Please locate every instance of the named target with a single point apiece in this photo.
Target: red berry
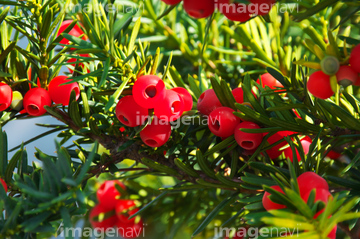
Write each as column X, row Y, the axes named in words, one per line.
column 148, row 91
column 199, row 8
column 305, row 144
column 248, row 141
column 310, row 180
column 320, row 195
column 157, row 133
column 3, row 184
column 268, row 80
column 5, row 96
column 75, row 31
column 275, row 152
column 81, row 65
column 59, row 93
column 234, row 11
column 171, row 2
column 346, row 76
column 332, row 234
column 171, row 108
column 319, row 85
column 128, row 228
column 355, row 59
column 35, row 100
column 186, row 97
column 103, row 222
column 222, row 122
column 124, row 209
column 333, row 155
column 129, row 112
column 357, row 83
column 108, row 195
column 270, row 205
column 208, row 102
column 238, row 94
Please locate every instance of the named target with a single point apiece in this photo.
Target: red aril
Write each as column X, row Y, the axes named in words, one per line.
column 319, row 85
column 129, row 112
column 333, row 155
column 357, row 82
column 35, row 100
column 234, row 11
column 185, row 96
column 199, row 8
column 305, row 144
column 75, row 31
column 248, row 141
column 238, row 94
column 275, row 152
column 148, row 91
column 355, row 59
column 208, row 102
column 222, row 122
column 124, row 209
column 270, row 205
column 268, row 80
column 320, row 195
column 157, row 133
column 6, row 95
column 132, row 230
column 171, row 108
column 102, row 218
column 128, row 228
column 60, row 94
column 310, row 180
column 346, row 76
column 108, row 195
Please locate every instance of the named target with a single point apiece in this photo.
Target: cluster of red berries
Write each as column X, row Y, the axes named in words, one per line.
column 36, row 98
column 114, row 212
column 223, row 123
column 3, row 184
column 319, row 83
column 234, row 11
column 307, row 182
column 149, row 93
